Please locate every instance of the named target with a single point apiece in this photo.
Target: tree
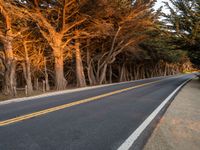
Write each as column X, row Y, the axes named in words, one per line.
column 56, row 21
column 6, row 37
column 117, row 30
column 184, row 24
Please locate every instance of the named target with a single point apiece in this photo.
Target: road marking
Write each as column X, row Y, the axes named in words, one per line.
column 53, row 109
column 128, row 143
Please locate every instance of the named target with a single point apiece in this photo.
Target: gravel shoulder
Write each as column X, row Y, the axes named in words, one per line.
column 179, row 128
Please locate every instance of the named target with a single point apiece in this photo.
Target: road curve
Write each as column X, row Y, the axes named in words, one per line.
column 101, row 118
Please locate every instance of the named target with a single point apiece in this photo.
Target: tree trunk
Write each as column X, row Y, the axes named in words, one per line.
column 122, row 73
column 27, row 76
column 91, row 76
column 27, row 72
column 103, row 74
column 80, row 76
column 90, row 72
column 59, row 72
column 29, row 80
column 46, row 75
column 10, row 66
column 60, row 81
column 36, row 84
column 110, row 74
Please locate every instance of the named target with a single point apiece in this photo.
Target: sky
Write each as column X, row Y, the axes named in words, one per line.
column 159, row 3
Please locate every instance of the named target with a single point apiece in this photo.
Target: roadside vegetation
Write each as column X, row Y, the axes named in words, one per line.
column 58, row 44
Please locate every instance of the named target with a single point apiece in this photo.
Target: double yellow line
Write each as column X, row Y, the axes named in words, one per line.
column 53, row 109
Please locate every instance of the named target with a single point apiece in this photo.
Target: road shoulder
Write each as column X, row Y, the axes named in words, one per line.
column 179, row 129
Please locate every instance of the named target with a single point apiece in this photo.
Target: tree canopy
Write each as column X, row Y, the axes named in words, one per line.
column 184, row 23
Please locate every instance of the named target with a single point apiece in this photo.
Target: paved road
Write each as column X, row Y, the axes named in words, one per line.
column 83, row 120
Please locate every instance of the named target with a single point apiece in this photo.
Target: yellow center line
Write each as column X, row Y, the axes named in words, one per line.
column 53, row 109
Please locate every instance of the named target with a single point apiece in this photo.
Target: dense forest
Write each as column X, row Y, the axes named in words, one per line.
column 58, row 44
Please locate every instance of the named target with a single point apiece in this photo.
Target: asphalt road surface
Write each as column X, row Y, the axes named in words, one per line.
column 101, row 118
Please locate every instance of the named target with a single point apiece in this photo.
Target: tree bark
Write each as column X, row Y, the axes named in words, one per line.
column 110, row 74
column 90, row 72
column 103, row 74
column 122, row 73
column 36, row 84
column 10, row 66
column 46, row 75
column 27, row 72
column 80, row 76
column 60, row 81
column 10, row 63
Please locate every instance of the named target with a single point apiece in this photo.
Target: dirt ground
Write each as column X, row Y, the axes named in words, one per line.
column 19, row 95
column 179, row 129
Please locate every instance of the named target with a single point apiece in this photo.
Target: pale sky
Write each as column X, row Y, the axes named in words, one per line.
column 160, row 3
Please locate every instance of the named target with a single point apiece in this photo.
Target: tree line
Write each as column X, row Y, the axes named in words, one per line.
column 63, row 43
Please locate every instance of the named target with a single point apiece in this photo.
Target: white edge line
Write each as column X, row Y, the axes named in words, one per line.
column 133, row 137
column 70, row 91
